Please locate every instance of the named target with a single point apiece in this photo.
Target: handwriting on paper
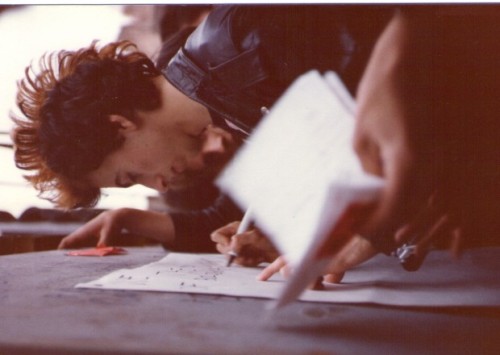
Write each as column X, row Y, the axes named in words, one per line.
column 179, row 272
column 473, row 280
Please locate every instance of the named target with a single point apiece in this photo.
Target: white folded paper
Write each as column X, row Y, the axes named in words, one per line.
column 300, row 174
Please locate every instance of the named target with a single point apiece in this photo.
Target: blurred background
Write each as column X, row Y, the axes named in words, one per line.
column 30, row 31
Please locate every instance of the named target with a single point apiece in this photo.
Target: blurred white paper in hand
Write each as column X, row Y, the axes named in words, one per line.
column 300, row 173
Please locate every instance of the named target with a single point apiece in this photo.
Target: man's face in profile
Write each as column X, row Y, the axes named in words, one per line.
column 178, row 158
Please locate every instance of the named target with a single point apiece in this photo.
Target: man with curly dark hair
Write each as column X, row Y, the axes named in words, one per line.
column 67, row 133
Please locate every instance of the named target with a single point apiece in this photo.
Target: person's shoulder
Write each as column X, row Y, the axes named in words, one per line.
column 171, row 46
column 212, row 42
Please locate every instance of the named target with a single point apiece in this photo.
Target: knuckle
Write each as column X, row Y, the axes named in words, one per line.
column 214, row 237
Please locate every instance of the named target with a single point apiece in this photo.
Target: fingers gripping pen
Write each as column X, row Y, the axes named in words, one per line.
column 245, row 223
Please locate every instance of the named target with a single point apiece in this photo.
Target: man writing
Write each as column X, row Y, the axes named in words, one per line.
column 171, row 130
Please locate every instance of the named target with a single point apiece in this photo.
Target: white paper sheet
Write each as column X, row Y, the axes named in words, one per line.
column 298, row 154
column 474, row 280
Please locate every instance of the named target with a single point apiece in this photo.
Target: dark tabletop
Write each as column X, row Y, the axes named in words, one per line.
column 42, row 312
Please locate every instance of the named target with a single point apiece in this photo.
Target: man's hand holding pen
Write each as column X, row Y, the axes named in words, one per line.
column 251, row 246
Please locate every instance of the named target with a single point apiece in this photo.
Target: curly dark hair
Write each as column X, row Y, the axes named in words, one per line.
column 64, row 131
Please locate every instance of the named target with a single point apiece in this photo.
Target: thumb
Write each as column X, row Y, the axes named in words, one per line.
column 105, row 235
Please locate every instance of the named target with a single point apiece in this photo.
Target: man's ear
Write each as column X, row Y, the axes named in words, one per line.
column 126, row 125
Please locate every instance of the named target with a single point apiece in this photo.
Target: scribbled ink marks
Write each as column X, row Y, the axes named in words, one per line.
column 188, row 276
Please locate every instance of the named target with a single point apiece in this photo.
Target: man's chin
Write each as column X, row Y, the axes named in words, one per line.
column 192, row 181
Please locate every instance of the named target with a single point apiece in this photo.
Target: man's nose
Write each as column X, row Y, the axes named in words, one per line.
column 213, row 147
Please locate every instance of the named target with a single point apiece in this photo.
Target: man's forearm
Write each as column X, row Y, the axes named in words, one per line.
column 155, row 225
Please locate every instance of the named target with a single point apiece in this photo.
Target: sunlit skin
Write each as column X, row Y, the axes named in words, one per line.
column 171, row 147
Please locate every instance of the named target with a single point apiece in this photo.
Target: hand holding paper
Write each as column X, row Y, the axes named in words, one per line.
column 302, row 177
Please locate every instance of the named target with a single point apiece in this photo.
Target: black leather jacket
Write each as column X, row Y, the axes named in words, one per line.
column 242, row 58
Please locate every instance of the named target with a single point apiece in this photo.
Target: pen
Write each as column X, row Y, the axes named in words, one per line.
column 244, row 224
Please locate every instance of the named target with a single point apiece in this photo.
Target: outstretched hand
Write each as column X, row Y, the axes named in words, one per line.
column 108, row 225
